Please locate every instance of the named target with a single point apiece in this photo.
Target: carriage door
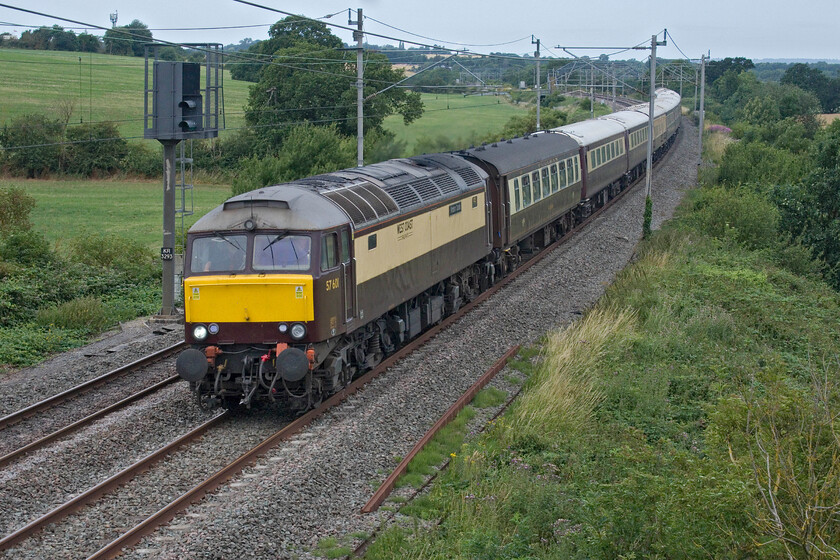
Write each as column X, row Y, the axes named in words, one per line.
column 349, row 294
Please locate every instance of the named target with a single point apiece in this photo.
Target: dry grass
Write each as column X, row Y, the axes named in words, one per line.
column 828, row 118
column 564, row 390
column 715, row 144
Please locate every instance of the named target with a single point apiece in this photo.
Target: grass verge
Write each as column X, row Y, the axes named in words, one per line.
column 691, row 414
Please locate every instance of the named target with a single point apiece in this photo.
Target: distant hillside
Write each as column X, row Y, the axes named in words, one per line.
column 90, row 87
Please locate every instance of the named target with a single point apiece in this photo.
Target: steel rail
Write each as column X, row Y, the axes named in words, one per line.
column 388, row 485
column 85, row 498
column 88, row 385
column 37, row 444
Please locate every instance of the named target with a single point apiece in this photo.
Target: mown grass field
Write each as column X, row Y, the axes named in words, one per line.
column 130, row 209
column 102, row 88
column 456, row 116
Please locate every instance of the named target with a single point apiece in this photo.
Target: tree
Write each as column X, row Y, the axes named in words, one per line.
column 284, row 34
column 128, row 39
column 323, row 89
column 716, row 68
column 89, row 43
column 815, row 81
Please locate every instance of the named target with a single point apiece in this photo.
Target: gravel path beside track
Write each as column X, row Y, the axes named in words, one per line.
column 313, row 486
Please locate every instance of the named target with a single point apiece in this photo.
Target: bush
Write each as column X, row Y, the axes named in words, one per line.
column 307, row 150
column 86, row 314
column 114, row 252
column 26, row 247
column 738, row 214
column 98, row 149
column 141, row 160
column 15, row 207
column 755, row 162
column 26, row 345
column 38, row 138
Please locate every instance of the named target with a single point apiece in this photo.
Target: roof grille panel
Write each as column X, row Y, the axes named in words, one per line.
column 468, row 175
column 403, row 195
column 367, row 210
column 426, row 189
column 378, row 199
column 351, row 209
column 446, row 184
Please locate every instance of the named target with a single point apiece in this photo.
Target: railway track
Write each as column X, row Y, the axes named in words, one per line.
column 167, row 512
column 41, row 408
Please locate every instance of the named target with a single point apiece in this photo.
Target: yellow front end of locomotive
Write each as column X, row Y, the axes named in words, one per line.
column 258, row 299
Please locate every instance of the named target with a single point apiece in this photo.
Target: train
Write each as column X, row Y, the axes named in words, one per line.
column 293, row 290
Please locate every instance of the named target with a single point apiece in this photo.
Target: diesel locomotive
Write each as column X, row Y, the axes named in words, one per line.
column 292, row 290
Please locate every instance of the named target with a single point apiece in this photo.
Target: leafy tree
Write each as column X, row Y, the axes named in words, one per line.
column 756, row 162
column 128, row 39
column 815, row 81
column 322, row 90
column 717, row 68
column 89, row 43
column 284, row 34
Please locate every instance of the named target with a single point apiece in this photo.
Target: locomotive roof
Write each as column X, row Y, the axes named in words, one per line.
column 288, row 207
column 508, row 156
column 362, row 195
column 591, row 131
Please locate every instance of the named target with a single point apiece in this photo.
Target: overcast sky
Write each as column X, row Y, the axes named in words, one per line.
column 756, row 29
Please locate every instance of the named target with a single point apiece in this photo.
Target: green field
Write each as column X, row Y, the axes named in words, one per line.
column 131, row 209
column 454, row 115
column 101, row 87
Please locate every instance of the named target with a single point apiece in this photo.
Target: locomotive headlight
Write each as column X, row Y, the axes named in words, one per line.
column 298, row 331
column 283, row 327
column 213, row 328
column 199, row 332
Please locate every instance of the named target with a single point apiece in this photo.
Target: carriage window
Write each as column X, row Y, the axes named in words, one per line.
column 345, row 246
column 372, row 241
column 526, row 191
column 516, row 193
column 281, row 251
column 562, row 174
column 577, row 169
column 220, row 253
column 535, row 178
column 554, row 185
column 329, row 251
column 545, row 184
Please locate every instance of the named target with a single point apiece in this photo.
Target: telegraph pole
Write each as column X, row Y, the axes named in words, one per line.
column 537, row 54
column 702, row 104
column 358, row 35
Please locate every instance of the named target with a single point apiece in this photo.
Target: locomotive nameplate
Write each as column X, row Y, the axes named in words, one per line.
column 405, row 229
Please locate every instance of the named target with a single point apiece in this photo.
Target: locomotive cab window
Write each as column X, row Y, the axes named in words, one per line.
column 280, row 251
column 219, row 253
column 329, row 251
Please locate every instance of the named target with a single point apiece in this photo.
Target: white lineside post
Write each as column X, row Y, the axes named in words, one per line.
column 358, row 35
column 702, row 104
